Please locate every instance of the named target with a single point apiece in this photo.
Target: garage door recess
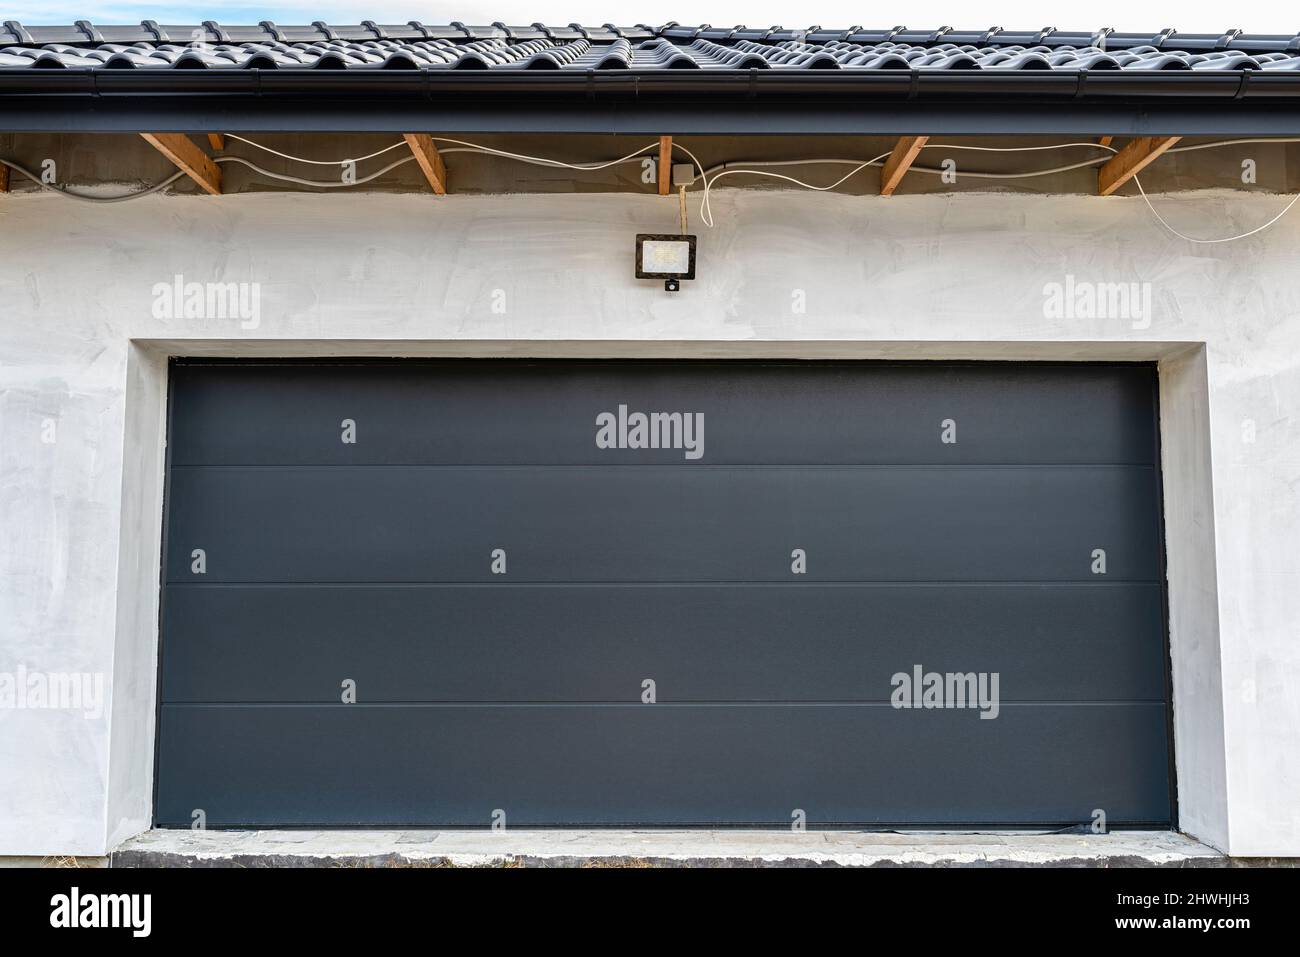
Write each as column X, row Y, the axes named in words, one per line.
column 877, row 594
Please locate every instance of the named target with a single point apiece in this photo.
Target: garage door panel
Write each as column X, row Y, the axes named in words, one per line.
column 661, row 524
column 754, row 413
column 455, row 765
column 826, row 539
column 798, row 642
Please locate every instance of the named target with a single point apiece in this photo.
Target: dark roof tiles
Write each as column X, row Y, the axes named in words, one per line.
column 416, row 46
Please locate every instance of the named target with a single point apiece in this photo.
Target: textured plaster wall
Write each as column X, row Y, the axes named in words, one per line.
column 781, row 274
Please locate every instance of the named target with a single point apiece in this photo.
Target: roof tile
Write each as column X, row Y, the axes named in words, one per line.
column 457, row 46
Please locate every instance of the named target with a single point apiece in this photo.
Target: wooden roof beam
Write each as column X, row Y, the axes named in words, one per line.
column 430, row 160
column 899, row 162
column 665, row 177
column 1136, row 156
column 195, row 163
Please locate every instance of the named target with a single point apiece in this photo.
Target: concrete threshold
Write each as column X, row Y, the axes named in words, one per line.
column 658, row 848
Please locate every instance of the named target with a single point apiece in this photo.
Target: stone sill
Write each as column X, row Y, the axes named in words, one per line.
column 659, row 848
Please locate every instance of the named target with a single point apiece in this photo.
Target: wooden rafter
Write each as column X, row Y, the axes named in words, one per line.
column 1106, row 141
column 665, row 164
column 900, row 160
column 195, row 163
column 4, row 178
column 430, row 160
column 217, row 141
column 1136, row 155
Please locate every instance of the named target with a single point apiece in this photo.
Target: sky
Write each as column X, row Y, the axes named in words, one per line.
column 1188, row 16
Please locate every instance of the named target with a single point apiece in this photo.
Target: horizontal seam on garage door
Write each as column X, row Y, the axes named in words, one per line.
column 671, row 466
column 740, row 703
column 669, row 583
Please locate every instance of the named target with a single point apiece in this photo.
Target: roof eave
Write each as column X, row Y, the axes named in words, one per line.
column 628, row 101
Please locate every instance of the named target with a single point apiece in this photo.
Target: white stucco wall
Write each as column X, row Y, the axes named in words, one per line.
column 401, row 274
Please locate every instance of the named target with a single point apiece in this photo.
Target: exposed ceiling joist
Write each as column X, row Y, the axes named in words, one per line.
column 1136, row 155
column 217, row 141
column 665, row 164
column 900, row 160
column 4, row 178
column 430, row 160
column 195, row 163
column 1106, row 141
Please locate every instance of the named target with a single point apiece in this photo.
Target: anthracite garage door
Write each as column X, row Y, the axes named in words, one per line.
column 663, row 593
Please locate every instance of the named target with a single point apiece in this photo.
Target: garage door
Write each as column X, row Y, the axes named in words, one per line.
column 663, row 593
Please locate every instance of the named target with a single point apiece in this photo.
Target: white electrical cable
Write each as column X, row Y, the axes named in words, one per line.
column 549, row 162
column 314, row 162
column 1016, row 149
column 531, row 161
column 756, row 168
column 1137, row 180
column 91, row 197
column 319, row 184
column 707, row 177
column 1030, row 174
column 312, row 182
column 1226, row 239
column 475, row 147
column 969, row 174
column 706, row 207
column 543, row 160
column 1217, row 143
column 465, row 148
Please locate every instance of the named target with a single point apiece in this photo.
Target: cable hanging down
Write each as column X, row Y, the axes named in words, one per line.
column 757, row 169
column 707, row 177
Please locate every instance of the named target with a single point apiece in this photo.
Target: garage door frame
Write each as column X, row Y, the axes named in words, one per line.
column 1173, row 750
